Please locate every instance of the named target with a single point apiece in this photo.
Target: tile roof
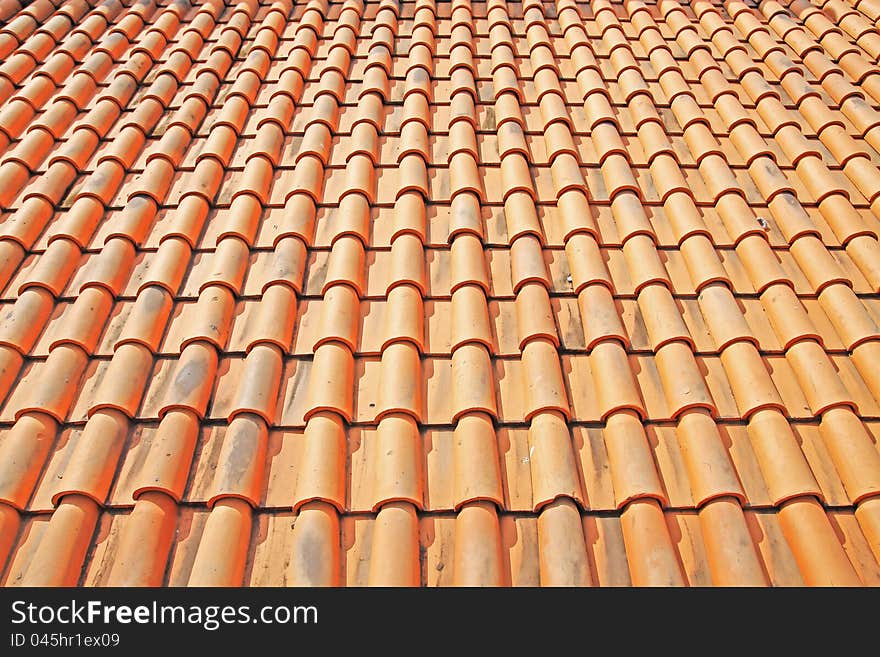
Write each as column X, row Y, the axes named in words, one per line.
column 440, row 293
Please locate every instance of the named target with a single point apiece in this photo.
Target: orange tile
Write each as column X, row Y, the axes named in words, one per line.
column 400, row 390
column 586, row 262
column 545, row 388
column 331, row 380
column 562, row 547
column 710, row 470
column 245, row 441
column 470, row 320
column 20, row 326
column 408, row 262
column 527, row 262
column 322, row 462
column 521, row 216
column 468, row 262
column 750, row 381
column 615, row 387
column 633, row 472
column 394, row 550
column 125, row 380
column 10, row 521
column 804, row 522
column 143, row 543
column 855, row 457
column 866, row 515
column 477, row 468
column 552, row 460
column 682, row 382
column 649, row 551
column 340, row 313
column 662, row 318
column 192, row 382
column 65, row 364
column 725, row 317
column 25, row 446
column 57, row 559
column 473, row 385
column 477, row 557
column 220, row 556
column 160, row 471
column 817, row 377
column 644, row 262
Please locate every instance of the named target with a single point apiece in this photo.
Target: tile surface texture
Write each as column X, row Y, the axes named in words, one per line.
column 433, row 293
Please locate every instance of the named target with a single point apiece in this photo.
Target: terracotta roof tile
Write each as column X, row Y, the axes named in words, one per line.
column 480, row 293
